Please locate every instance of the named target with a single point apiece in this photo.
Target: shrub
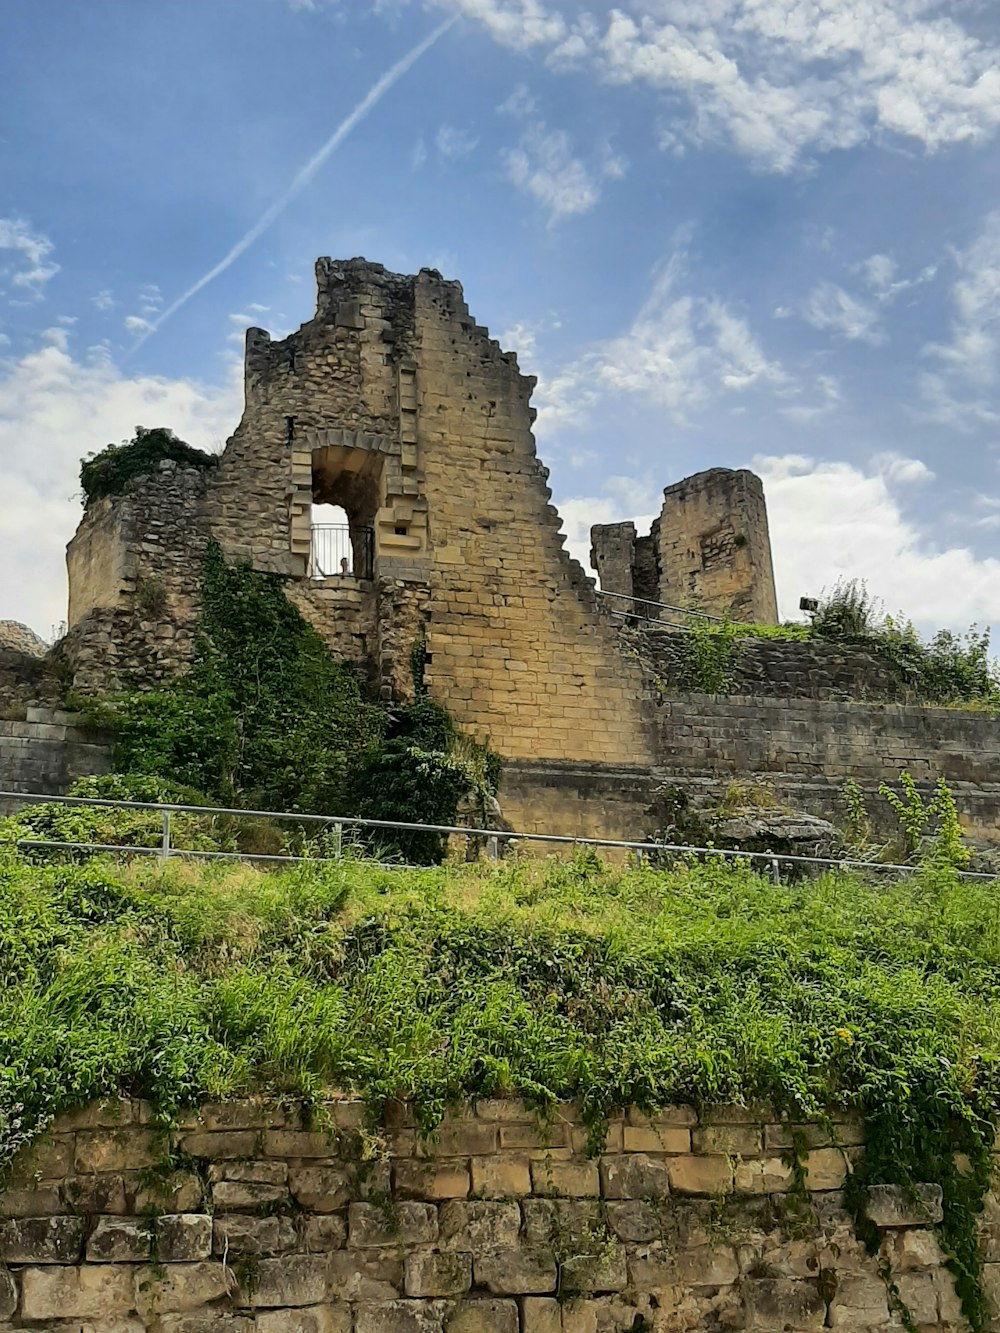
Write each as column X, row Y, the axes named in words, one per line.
column 110, row 471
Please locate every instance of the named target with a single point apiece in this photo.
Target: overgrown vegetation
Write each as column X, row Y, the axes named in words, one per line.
column 110, row 471
column 267, row 719
column 946, row 669
column 548, row 980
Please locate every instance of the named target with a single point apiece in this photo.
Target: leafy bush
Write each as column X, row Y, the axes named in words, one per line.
column 110, row 471
column 116, row 827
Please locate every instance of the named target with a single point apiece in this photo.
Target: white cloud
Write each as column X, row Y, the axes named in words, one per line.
column 543, row 166
column 963, row 390
column 680, row 352
column 54, row 409
column 454, row 143
column 104, row 300
column 830, row 308
column 776, row 79
column 520, row 103
column 832, row 520
column 25, row 261
column 418, row 155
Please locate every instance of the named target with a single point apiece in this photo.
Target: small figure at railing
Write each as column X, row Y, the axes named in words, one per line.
column 343, row 566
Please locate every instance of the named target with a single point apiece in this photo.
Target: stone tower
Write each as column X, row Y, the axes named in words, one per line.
column 709, row 548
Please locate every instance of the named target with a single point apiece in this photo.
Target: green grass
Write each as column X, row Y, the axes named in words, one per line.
column 547, row 979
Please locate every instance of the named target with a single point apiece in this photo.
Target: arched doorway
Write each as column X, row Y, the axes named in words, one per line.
column 346, row 493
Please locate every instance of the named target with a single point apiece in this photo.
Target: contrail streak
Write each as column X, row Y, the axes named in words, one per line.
column 371, row 98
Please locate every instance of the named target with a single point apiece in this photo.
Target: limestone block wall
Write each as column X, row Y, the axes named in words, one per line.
column 811, row 669
column 243, row 1220
column 518, row 649
column 45, row 749
column 714, row 546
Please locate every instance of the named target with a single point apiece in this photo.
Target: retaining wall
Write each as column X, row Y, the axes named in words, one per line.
column 502, row 1225
column 46, row 750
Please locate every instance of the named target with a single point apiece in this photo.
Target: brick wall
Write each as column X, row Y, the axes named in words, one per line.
column 501, row 1225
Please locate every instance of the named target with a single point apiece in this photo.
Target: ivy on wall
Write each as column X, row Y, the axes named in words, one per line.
column 267, row 718
column 110, row 471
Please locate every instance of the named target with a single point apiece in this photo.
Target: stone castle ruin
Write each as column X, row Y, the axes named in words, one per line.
column 394, row 405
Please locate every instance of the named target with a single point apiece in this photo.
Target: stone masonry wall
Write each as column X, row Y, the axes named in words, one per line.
column 45, row 749
column 519, row 651
column 243, row 1220
column 714, row 546
column 799, row 669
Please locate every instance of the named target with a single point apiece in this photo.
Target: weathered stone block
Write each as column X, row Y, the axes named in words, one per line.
column 8, row 1294
column 711, row 1265
column 890, row 1206
column 545, row 1220
column 177, row 1192
column 50, row 1158
column 918, row 1293
column 308, row 1319
column 237, row 1234
column 248, row 1113
column 299, row 1143
column 95, row 1194
column 322, row 1189
column 398, row 1317
column 482, row 1316
column 826, row 1169
column 541, row 1314
column 700, row 1175
column 211, row 1321
column 94, row 1291
column 634, row 1177
column 428, row 1274
column 465, row 1138
column 501, row 1177
column 368, row 1276
column 573, row 1179
column 326, row 1232
column 763, row 1175
column 515, row 1271
column 860, row 1300
column 912, row 1249
column 636, row 1220
column 783, row 1303
column 478, row 1226
column 405, row 1223
column 737, row 1140
column 110, row 1150
column 257, row 1172
column 183, row 1237
column 541, row 1137
column 120, row 1240
column 656, row 1139
column 232, row 1195
column 603, row 1269
column 36, row 1201
column 671, row 1117
column 219, row 1147
column 295, row 1279
column 42, row 1240
column 509, row 1109
column 431, row 1180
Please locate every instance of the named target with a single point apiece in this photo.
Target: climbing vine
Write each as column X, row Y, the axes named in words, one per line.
column 267, row 718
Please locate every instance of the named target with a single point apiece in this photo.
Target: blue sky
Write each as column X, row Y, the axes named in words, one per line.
column 721, row 232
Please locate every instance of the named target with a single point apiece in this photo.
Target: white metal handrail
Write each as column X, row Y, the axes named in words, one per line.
column 496, row 838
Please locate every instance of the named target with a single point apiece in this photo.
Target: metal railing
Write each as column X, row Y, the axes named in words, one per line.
column 653, row 615
column 496, row 840
column 340, row 549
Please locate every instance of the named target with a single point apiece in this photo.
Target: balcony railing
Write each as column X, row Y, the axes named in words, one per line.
column 340, row 550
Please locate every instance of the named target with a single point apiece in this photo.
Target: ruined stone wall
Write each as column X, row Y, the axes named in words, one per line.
column 802, row 669
column 135, row 568
column 518, row 649
column 45, row 749
column 714, row 546
column 501, row 1225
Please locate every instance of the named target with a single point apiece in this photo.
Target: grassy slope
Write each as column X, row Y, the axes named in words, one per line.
column 546, row 979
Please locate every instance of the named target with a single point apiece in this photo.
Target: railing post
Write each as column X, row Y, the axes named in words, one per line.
column 338, row 842
column 493, row 848
column 165, row 839
column 775, row 871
